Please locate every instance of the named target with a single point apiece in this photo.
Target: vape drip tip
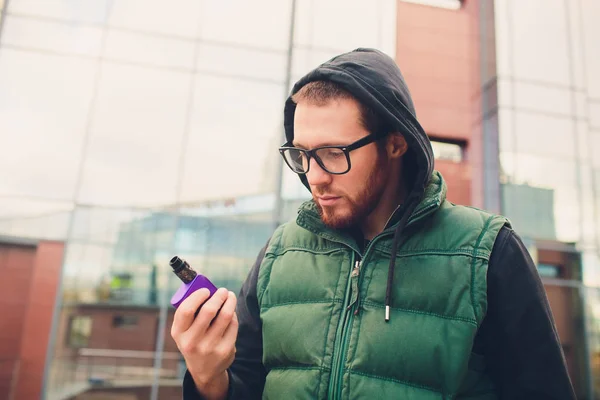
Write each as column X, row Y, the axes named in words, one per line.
column 182, row 269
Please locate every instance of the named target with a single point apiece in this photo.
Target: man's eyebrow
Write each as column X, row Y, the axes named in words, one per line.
column 300, row 146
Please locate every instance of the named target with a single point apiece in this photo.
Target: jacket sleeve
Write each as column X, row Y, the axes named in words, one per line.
column 247, row 373
column 518, row 336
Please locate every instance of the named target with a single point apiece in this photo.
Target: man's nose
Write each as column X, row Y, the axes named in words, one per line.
column 316, row 175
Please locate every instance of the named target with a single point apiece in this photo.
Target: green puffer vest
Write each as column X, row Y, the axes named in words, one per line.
column 322, row 310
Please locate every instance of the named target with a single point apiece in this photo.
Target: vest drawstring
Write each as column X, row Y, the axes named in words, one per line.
column 390, row 279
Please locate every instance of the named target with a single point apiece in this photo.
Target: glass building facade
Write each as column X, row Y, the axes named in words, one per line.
column 541, row 130
column 135, row 130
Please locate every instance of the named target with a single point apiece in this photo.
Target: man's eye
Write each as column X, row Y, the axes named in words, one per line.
column 334, row 153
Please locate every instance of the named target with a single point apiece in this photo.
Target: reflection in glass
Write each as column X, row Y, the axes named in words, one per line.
column 540, row 54
column 256, row 64
column 181, row 19
column 136, row 137
column 547, row 101
column 82, row 11
column 113, row 87
column 153, row 51
column 59, row 37
column 234, row 135
column 45, row 101
column 357, row 24
column 34, row 218
column 523, row 168
column 242, row 23
column 544, row 135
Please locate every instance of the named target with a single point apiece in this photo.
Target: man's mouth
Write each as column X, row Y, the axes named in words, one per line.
column 327, row 200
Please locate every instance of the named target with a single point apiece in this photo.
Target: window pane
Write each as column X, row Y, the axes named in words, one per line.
column 45, row 102
column 34, row 218
column 268, row 65
column 91, row 11
column 543, row 194
column 80, row 330
column 221, row 241
column 584, row 142
column 530, row 210
column 121, row 258
column 544, row 135
column 591, row 274
column 259, row 23
column 51, row 35
column 595, row 145
column 543, row 212
column 360, row 25
column 99, row 224
column 125, row 321
column 548, row 271
column 148, row 49
column 135, row 139
column 596, row 179
column 236, row 131
column 538, row 171
column 447, row 151
column 506, row 136
column 84, row 268
column 539, row 25
column 543, row 98
column 179, row 18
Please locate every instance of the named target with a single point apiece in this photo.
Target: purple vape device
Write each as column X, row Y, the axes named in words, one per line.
column 192, row 281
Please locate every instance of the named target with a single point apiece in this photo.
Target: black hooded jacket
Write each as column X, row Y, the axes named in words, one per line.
column 518, row 336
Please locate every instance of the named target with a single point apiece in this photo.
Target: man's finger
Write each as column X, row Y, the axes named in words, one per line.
column 222, row 321
column 230, row 334
column 208, row 312
column 184, row 315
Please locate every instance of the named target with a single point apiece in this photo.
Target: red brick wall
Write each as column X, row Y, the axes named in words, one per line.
column 436, row 50
column 16, row 266
column 458, row 177
column 38, row 319
column 29, row 279
column 142, row 336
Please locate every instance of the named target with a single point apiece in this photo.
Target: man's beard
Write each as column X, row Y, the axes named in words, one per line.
column 357, row 209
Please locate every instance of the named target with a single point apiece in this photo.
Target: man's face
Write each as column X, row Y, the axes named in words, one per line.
column 342, row 200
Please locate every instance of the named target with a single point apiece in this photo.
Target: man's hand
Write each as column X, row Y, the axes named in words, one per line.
column 207, row 342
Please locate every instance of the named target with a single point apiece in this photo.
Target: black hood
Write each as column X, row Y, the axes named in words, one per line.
column 375, row 80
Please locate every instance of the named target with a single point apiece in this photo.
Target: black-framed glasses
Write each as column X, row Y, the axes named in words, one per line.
column 333, row 159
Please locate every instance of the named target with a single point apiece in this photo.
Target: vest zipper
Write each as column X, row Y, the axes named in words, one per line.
column 354, row 292
column 341, row 340
column 342, row 335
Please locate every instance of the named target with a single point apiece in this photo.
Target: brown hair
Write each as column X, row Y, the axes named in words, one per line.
column 321, row 92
